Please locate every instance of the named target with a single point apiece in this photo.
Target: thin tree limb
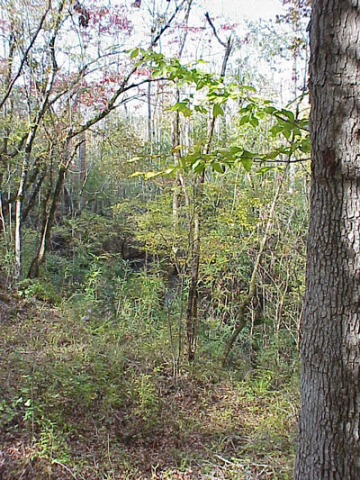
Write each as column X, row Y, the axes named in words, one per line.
column 25, row 56
column 252, row 285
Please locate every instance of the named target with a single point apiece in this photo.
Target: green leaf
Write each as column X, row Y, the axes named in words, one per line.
column 196, row 163
column 247, row 163
column 137, row 174
column 305, row 146
column 198, row 166
column 183, row 108
column 235, row 150
column 134, row 160
column 217, row 167
column 170, row 170
column 287, row 132
column 134, row 53
column 276, row 129
column 226, row 154
column 176, row 149
column 245, row 119
column 200, row 109
column 201, row 83
column 247, row 154
column 217, row 110
column 149, row 175
column 272, row 155
column 288, row 114
column 270, row 110
column 254, row 122
column 263, row 170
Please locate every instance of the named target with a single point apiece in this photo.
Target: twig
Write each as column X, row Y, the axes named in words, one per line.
column 207, row 16
column 25, row 57
column 269, row 160
column 65, row 468
column 252, row 284
column 224, row 460
column 168, row 24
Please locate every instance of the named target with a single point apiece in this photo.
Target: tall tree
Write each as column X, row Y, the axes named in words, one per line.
column 194, row 227
column 328, row 442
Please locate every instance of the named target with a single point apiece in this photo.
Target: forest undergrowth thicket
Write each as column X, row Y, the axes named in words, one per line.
column 85, row 395
column 95, row 382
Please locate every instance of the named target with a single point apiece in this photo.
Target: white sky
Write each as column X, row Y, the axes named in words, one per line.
column 235, row 10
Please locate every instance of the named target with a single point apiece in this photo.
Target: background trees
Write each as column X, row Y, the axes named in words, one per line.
column 137, row 176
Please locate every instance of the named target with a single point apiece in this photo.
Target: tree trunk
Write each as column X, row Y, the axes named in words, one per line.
column 329, row 428
column 82, row 169
column 20, row 199
column 192, row 303
column 195, row 234
column 48, row 221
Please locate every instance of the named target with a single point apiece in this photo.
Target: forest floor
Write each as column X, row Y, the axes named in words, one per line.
column 78, row 400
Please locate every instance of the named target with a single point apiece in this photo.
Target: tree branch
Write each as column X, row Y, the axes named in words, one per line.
column 207, row 16
column 25, row 56
column 252, row 284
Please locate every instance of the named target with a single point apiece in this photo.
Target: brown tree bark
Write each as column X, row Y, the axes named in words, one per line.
column 191, row 326
column 48, row 220
column 329, row 428
column 33, row 130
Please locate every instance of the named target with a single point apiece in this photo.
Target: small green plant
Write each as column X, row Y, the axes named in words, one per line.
column 40, row 289
column 145, row 397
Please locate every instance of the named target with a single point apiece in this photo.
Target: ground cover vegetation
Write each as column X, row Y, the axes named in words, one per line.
column 153, row 219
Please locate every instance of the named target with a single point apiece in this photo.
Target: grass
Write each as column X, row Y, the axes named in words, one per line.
column 91, row 397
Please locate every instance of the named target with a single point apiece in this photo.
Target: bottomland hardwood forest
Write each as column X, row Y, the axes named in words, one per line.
column 155, row 184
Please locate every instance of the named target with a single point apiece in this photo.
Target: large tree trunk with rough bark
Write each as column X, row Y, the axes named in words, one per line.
column 329, row 429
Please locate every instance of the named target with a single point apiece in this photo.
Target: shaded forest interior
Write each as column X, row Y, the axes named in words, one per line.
column 153, row 219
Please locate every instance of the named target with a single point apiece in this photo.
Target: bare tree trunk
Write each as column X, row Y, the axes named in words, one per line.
column 48, row 221
column 329, row 427
column 30, row 140
column 6, row 131
column 175, row 131
column 149, row 117
column 195, row 242
column 34, row 194
column 82, row 168
column 19, row 201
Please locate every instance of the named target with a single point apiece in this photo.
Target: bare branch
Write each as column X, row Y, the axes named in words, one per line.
column 207, row 16
column 25, row 56
column 165, row 27
column 268, row 160
column 112, row 102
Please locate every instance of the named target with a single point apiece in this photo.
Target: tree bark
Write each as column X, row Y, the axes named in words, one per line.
column 33, row 129
column 82, row 168
column 329, row 428
column 195, row 234
column 48, row 220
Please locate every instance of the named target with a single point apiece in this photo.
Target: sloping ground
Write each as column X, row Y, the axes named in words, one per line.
column 77, row 401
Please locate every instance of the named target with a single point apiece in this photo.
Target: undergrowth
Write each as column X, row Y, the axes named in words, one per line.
column 92, row 389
